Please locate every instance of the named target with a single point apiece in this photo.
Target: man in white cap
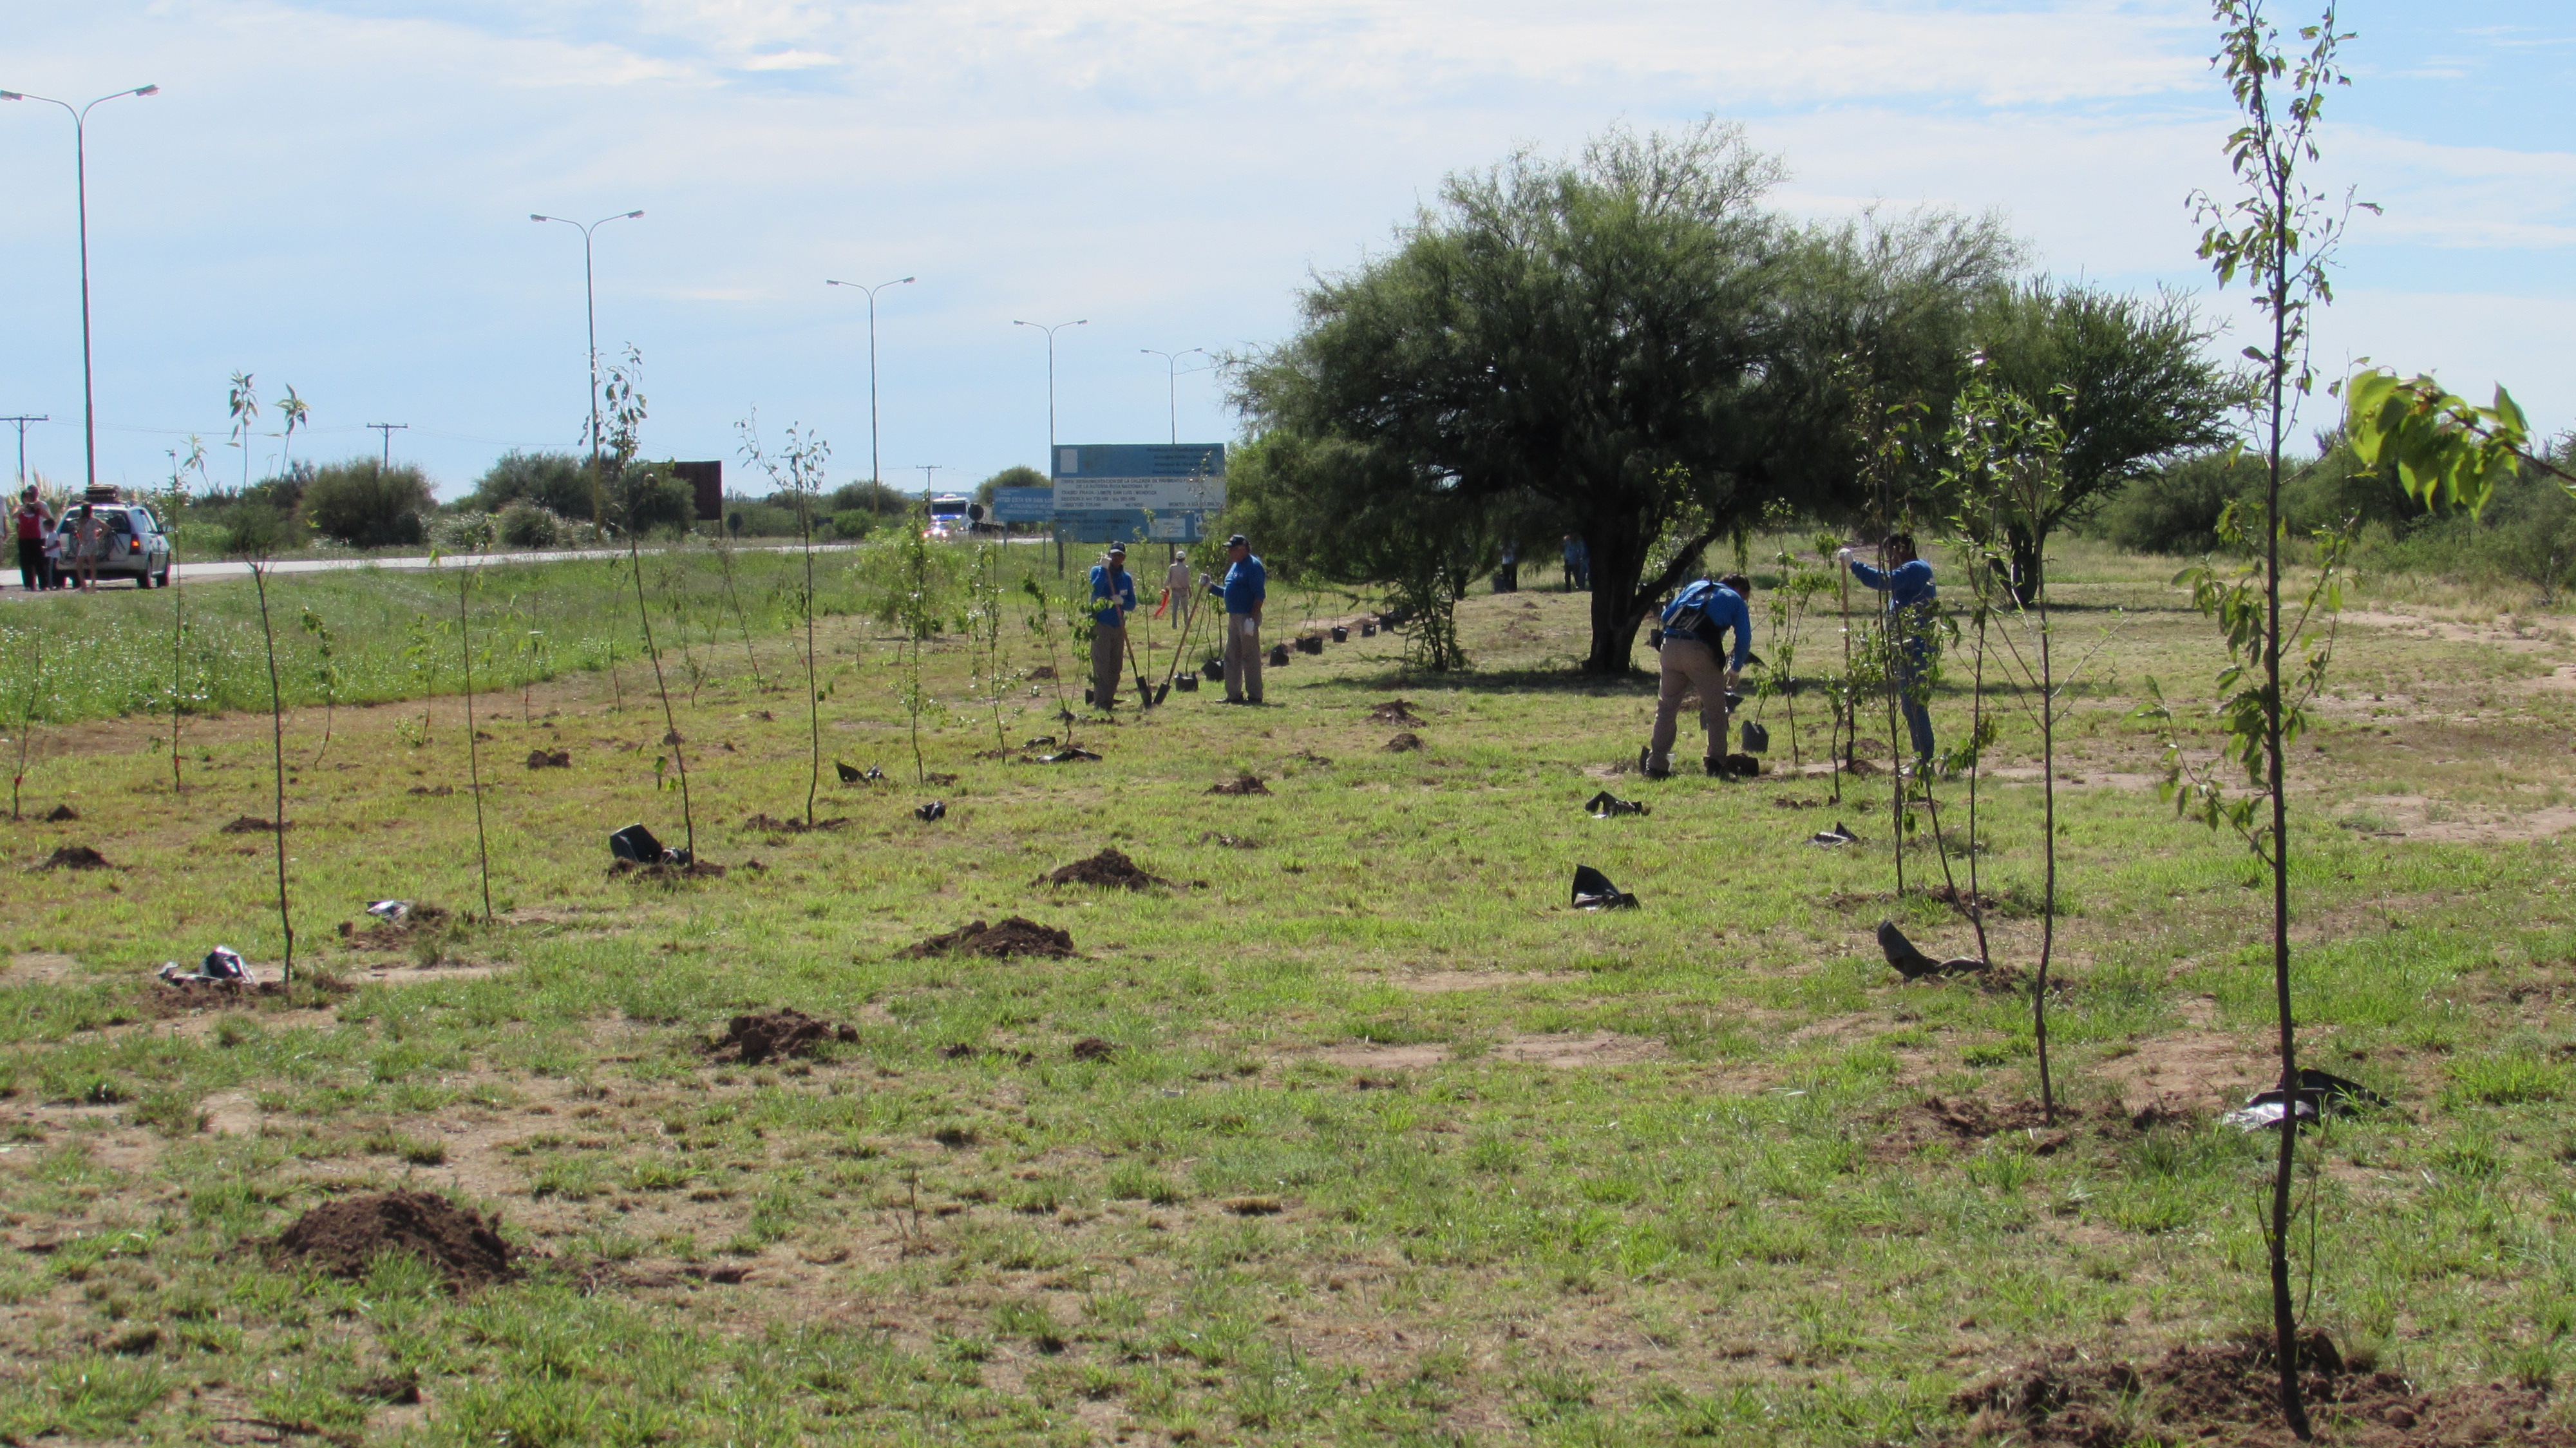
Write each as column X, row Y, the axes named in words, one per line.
column 1113, row 596
column 1245, row 586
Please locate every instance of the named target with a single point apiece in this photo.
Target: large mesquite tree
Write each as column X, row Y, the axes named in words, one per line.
column 1630, row 339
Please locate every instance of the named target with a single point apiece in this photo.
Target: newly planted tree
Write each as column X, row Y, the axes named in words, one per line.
column 178, row 500
column 473, row 743
column 1041, row 618
column 985, row 621
column 625, row 408
column 918, row 611
column 798, row 470
column 27, row 716
column 326, row 672
column 256, row 554
column 243, row 403
column 2279, row 232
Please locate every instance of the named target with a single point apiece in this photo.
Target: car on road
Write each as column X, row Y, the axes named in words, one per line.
column 136, row 546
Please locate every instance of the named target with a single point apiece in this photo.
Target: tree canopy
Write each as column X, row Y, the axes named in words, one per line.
column 1632, row 340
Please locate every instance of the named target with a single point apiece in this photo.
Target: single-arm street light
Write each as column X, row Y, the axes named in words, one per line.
column 1172, row 364
column 873, row 476
column 1050, row 336
column 590, row 304
column 80, row 173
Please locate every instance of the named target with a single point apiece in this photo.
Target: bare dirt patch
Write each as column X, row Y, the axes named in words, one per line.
column 342, row 1237
column 230, row 1113
column 41, row 967
column 771, row 1035
column 2411, row 816
column 694, row 870
column 253, row 825
column 1241, row 784
column 1011, row 938
column 2228, row 1394
column 1566, row 1050
column 75, row 857
column 2190, row 1070
column 1109, row 868
column 1369, row 1056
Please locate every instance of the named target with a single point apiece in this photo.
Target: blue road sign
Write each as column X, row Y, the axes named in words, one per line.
column 1023, row 505
column 1138, row 492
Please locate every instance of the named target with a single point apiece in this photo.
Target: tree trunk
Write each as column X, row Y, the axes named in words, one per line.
column 2025, row 580
column 1618, row 562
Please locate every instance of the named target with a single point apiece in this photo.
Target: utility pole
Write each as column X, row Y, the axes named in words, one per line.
column 1172, row 382
column 22, row 421
column 389, row 429
column 926, row 470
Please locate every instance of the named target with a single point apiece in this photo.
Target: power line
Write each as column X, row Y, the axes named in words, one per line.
column 389, row 429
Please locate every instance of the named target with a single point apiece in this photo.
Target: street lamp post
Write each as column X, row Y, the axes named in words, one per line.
column 873, row 475
column 80, row 169
column 590, row 304
column 1172, row 364
column 1050, row 336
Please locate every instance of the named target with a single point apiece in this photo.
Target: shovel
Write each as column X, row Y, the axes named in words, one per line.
column 1144, row 690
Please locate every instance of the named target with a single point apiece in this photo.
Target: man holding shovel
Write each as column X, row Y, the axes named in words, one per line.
column 1113, row 595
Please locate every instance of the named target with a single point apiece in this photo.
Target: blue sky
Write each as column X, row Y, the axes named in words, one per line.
column 335, row 193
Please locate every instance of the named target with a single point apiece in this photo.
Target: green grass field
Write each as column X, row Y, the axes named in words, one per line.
column 1388, row 1145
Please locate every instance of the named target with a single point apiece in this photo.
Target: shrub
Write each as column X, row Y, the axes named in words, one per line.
column 852, row 523
column 257, row 530
column 2176, row 510
column 649, row 498
column 526, row 525
column 865, row 497
column 365, row 504
column 556, row 482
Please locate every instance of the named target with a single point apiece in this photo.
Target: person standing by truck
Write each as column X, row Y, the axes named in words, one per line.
column 34, row 522
column 1244, row 587
column 1113, row 597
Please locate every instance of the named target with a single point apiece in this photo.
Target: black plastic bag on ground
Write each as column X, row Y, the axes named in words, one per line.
column 636, row 843
column 1593, row 891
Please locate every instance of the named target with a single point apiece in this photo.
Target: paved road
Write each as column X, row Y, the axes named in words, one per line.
column 198, row 572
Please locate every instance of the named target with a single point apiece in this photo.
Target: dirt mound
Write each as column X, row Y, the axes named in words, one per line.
column 1092, row 1048
column 1241, row 784
column 253, row 825
column 342, row 1237
column 768, row 825
column 2228, row 1394
column 1109, row 867
column 1404, row 743
column 75, row 857
column 1013, row 937
column 775, row 1034
column 441, row 792
column 59, row 814
column 541, row 759
column 697, row 870
column 1395, row 711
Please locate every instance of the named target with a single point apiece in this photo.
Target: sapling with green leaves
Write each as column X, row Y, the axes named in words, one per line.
column 918, row 609
column 2279, row 231
column 1044, row 621
column 325, row 672
column 242, row 401
column 420, row 659
column 985, row 584
column 798, row 468
column 256, row 554
column 625, row 410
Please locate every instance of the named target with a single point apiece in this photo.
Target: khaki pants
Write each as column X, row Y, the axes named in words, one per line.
column 1108, row 651
column 1688, row 665
column 1242, row 659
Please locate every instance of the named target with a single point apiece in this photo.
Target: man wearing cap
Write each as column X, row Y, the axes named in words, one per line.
column 1113, row 595
column 1245, row 584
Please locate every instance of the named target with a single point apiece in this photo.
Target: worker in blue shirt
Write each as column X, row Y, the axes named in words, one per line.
column 1245, row 584
column 1113, row 595
column 1695, row 625
column 1907, row 582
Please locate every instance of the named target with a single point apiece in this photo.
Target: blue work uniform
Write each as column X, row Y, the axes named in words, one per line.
column 1910, row 598
column 1243, row 588
column 1117, row 599
column 1723, row 610
column 1244, row 585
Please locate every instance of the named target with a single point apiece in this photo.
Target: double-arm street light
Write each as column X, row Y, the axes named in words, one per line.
column 1050, row 336
column 873, row 476
column 1172, row 364
column 80, row 171
column 590, row 302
